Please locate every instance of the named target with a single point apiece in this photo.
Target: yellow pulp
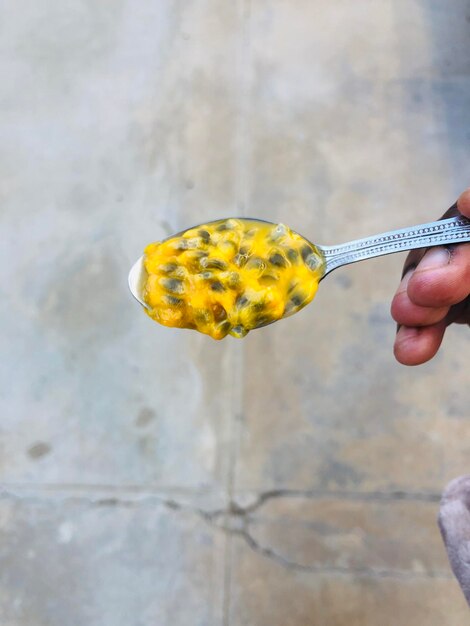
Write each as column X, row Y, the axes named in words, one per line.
column 230, row 276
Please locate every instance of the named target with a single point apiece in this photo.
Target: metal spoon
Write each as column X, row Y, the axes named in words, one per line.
column 442, row 232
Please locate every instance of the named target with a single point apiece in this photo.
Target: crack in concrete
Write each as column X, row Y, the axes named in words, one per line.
column 234, row 520
column 363, row 572
column 235, row 509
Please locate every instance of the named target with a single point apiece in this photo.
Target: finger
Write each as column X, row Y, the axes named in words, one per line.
column 463, row 203
column 442, row 278
column 451, row 212
column 459, row 313
column 414, row 346
column 407, row 313
column 412, row 260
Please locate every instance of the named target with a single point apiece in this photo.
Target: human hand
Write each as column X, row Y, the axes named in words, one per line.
column 434, row 292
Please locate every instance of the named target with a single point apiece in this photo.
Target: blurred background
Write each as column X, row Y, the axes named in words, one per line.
column 155, row 477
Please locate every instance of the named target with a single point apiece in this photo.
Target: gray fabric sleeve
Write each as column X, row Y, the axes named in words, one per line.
column 454, row 522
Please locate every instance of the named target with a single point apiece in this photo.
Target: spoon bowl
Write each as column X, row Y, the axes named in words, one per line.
column 136, row 280
column 318, row 259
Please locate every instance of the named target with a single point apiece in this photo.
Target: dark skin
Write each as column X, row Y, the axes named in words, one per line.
column 434, row 293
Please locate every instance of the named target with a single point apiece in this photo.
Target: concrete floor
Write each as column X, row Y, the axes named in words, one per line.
column 152, row 477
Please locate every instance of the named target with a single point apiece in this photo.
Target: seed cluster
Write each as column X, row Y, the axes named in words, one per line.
column 230, row 276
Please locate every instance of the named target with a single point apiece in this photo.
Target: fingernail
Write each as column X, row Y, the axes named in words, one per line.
column 434, row 259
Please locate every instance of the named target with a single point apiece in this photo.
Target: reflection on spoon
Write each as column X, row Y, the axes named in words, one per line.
column 234, row 275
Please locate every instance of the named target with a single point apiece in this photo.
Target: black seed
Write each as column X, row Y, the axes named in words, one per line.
column 290, row 308
column 255, row 263
column 267, row 279
column 181, row 244
column 244, row 250
column 306, row 251
column 241, row 302
column 313, row 262
column 298, row 299
column 278, row 260
column 217, row 286
column 179, row 272
column 172, row 301
column 240, row 260
column 224, row 226
column 258, row 306
column 239, row 331
column 174, row 285
column 279, row 231
column 224, row 326
column 262, row 320
column 196, row 255
column 233, row 280
column 195, row 242
column 219, row 312
column 217, row 264
column 167, row 268
column 194, row 258
column 292, row 255
column 203, row 316
column 204, row 235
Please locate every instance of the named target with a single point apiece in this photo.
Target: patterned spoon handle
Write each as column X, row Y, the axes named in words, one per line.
column 443, row 232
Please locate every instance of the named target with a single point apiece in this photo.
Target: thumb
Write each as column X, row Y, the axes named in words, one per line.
column 463, row 203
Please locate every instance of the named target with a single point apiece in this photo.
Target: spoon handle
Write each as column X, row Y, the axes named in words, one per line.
column 442, row 232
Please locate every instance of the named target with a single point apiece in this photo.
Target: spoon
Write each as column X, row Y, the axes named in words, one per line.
column 442, row 232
